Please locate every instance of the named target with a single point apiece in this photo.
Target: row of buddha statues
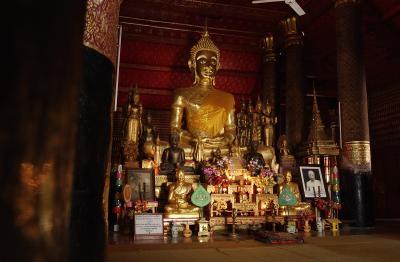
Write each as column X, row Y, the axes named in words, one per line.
column 255, row 123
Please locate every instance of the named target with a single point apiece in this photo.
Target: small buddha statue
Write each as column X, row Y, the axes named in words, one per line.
column 241, row 124
column 178, row 199
column 242, row 194
column 257, row 120
column 254, row 160
column 210, row 113
column 131, row 128
column 287, row 161
column 294, row 189
column 283, row 146
column 236, row 156
column 148, row 139
column 268, row 123
column 172, row 156
column 249, row 129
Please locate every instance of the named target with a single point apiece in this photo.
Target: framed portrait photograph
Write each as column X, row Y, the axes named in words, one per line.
column 141, row 182
column 312, row 182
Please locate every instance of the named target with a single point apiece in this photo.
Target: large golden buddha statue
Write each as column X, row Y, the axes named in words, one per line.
column 209, row 113
column 178, row 199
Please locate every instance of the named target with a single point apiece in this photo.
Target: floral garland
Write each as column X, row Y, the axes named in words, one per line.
column 326, row 205
column 266, row 178
column 215, row 173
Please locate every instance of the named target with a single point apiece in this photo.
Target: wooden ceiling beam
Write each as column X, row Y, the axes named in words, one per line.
column 186, row 27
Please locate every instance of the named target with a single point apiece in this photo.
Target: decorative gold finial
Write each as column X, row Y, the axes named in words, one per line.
column 290, row 28
column 268, row 42
column 268, row 45
column 290, row 25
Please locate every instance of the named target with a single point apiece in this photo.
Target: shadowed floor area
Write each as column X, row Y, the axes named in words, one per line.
column 375, row 244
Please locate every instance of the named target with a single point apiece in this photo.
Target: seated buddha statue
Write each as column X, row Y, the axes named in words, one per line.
column 294, row 189
column 172, row 156
column 178, row 199
column 209, row 113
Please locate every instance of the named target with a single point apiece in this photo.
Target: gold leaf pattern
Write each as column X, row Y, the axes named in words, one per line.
column 101, row 27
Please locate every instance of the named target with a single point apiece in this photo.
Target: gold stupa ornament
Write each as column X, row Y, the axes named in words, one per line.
column 317, row 128
column 318, row 143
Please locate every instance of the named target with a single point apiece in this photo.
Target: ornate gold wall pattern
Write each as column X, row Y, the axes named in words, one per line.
column 357, row 155
column 101, row 27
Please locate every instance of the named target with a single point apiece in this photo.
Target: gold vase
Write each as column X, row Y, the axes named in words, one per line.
column 307, row 227
column 187, row 232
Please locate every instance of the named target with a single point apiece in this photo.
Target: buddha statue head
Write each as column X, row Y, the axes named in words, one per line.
column 268, row 108
column 204, row 60
column 133, row 96
column 258, row 108
column 180, row 175
column 288, row 177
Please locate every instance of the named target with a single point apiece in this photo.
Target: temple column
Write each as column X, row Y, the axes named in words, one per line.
column 269, row 73
column 356, row 174
column 88, row 216
column 38, row 110
column 294, row 92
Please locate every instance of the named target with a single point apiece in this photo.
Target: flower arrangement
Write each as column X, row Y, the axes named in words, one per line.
column 306, row 214
column 223, row 162
column 215, row 173
column 254, row 167
column 215, row 176
column 265, row 178
column 327, row 206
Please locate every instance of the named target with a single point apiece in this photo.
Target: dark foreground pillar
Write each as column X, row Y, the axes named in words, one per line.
column 88, row 230
column 42, row 50
column 356, row 177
